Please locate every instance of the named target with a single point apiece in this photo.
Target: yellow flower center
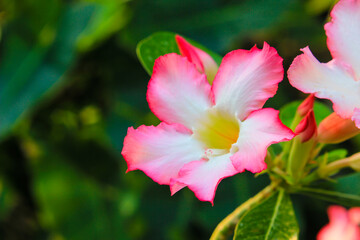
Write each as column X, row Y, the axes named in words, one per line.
column 217, row 130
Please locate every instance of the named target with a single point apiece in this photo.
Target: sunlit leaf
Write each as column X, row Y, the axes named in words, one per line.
column 273, row 219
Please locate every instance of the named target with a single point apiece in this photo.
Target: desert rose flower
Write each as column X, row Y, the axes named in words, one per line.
column 339, row 79
column 343, row 224
column 208, row 132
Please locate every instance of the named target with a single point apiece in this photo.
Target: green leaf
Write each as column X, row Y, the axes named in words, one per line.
column 288, row 111
column 331, row 196
column 161, row 43
column 318, row 6
column 272, row 219
column 348, row 184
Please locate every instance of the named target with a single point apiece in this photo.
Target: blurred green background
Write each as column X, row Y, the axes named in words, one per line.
column 71, row 85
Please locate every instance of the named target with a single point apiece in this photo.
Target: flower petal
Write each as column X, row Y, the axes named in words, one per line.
column 161, row 151
column 177, row 92
column 246, row 79
column 334, row 129
column 354, row 215
column 339, row 227
column 306, row 129
column 333, row 80
column 261, row 129
column 203, row 176
column 203, row 61
column 343, row 33
column 356, row 117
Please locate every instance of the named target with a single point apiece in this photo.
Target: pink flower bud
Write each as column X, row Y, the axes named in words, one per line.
column 306, row 129
column 334, row 129
column 306, row 105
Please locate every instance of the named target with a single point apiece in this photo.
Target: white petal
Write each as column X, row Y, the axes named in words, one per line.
column 334, row 81
column 246, row 79
column 343, row 33
column 177, row 92
column 160, row 151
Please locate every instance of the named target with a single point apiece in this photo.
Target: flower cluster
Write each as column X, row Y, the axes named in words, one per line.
column 213, row 124
column 337, row 80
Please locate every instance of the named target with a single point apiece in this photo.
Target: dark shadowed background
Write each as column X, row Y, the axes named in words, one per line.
column 71, row 85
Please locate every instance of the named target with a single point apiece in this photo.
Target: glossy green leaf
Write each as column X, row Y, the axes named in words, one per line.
column 272, row 219
column 159, row 44
column 348, row 184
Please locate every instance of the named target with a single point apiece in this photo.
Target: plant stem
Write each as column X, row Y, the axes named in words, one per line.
column 224, row 228
column 339, row 164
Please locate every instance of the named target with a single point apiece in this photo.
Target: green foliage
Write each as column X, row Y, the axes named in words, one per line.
column 332, row 156
column 332, row 196
column 30, row 70
column 348, row 184
column 159, row 44
column 272, row 219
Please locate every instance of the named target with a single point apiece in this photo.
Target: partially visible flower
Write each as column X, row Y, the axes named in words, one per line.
column 203, row 61
column 343, row 224
column 339, row 79
column 208, row 132
column 334, row 129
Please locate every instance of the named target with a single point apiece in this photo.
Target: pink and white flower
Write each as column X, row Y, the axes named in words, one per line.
column 343, row 224
column 208, row 132
column 337, row 80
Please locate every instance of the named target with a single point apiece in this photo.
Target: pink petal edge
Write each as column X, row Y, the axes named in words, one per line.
column 343, row 33
column 203, row 176
column 258, row 131
column 161, row 151
column 177, row 92
column 246, row 79
column 203, row 61
column 333, row 80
